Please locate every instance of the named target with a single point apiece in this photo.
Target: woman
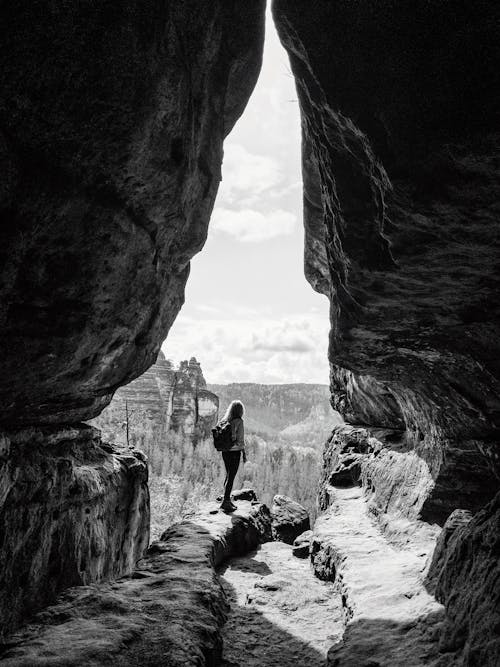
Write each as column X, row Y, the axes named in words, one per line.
column 234, row 415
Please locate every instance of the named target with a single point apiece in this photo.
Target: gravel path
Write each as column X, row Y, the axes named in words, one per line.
column 281, row 614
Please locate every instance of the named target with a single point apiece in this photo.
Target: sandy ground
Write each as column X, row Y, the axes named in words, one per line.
column 281, row 614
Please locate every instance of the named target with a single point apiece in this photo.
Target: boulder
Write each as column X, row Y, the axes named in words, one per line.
column 302, row 544
column 244, row 494
column 289, row 519
column 464, row 576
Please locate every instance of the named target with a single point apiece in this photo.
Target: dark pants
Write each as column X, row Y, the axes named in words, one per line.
column 232, row 463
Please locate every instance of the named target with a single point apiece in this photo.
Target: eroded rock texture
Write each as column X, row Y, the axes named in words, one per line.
column 399, row 106
column 73, row 510
column 289, row 519
column 465, row 576
column 112, row 120
column 169, row 611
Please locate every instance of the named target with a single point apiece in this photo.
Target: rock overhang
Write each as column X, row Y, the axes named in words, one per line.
column 112, row 133
column 399, row 104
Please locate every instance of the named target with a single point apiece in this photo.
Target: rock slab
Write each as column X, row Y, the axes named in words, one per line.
column 168, row 611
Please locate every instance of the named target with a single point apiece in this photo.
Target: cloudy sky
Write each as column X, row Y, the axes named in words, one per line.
column 250, row 315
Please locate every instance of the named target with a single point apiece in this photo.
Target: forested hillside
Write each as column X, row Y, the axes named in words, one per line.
column 295, row 412
column 286, row 427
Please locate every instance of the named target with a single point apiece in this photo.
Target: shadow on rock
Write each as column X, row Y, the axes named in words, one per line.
column 252, row 640
column 249, row 565
column 389, row 643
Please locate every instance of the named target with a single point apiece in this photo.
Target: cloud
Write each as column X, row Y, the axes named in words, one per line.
column 284, row 338
column 244, row 172
column 249, row 226
column 264, row 350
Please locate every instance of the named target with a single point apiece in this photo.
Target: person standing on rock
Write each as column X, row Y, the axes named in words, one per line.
column 231, row 457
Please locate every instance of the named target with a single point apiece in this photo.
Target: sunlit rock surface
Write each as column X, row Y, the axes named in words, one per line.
column 168, row 612
column 390, row 617
column 112, row 122
column 73, row 510
column 281, row 614
column 162, row 400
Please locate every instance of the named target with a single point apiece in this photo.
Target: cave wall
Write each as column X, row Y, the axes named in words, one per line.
column 112, row 121
column 400, row 106
column 73, row 510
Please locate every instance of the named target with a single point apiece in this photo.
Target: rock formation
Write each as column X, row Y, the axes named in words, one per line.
column 288, row 519
column 169, row 611
column 464, row 577
column 112, row 124
column 399, row 105
column 73, row 510
column 167, row 400
column 112, row 121
column 302, row 544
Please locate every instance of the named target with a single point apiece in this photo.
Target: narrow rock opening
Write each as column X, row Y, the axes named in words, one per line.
column 111, row 143
column 257, row 330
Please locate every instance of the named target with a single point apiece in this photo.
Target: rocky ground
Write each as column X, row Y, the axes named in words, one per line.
column 391, row 619
column 169, row 611
column 281, row 614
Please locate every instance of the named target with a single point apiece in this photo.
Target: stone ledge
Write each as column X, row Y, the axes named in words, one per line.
column 388, row 613
column 74, row 510
column 168, row 611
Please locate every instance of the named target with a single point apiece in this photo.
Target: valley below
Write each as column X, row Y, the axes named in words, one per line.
column 168, row 414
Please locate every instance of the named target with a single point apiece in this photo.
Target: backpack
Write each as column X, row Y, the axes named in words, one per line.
column 223, row 436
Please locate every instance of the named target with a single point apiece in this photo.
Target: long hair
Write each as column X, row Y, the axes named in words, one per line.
column 235, row 409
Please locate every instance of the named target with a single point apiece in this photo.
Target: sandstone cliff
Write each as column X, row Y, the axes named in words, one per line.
column 163, row 400
column 112, row 121
column 73, row 510
column 111, row 128
column 399, row 105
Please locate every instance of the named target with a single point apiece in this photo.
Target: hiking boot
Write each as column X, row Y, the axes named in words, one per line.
column 227, row 506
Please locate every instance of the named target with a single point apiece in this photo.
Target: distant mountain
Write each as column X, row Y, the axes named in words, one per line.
column 298, row 413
